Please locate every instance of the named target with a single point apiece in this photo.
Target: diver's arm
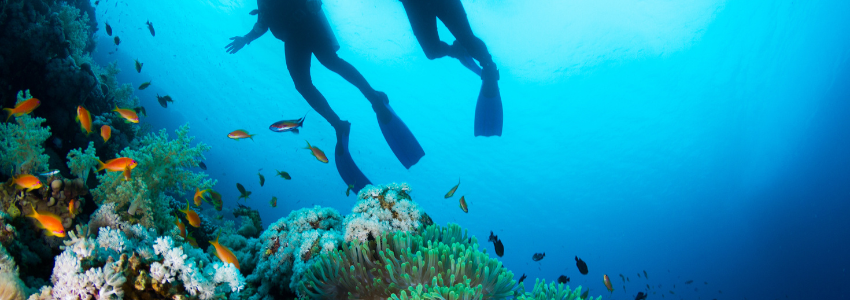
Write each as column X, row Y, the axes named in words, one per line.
column 238, row 42
column 259, row 29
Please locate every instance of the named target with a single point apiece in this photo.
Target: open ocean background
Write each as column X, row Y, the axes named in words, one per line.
column 703, row 140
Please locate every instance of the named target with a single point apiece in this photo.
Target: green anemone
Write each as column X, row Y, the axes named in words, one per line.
column 551, row 291
column 439, row 263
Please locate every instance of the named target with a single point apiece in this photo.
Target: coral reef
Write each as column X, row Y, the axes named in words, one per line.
column 251, row 222
column 21, row 150
column 162, row 167
column 46, row 49
column 438, row 263
column 380, row 210
column 290, row 245
column 146, row 267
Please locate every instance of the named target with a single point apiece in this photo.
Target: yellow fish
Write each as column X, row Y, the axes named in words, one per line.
column 317, row 153
column 224, row 253
column 191, row 240
column 23, row 108
column 105, row 132
column 191, row 216
column 84, row 117
column 128, row 114
column 452, row 191
column 116, row 164
column 127, row 175
column 28, row 182
column 607, row 282
column 240, row 134
column 463, row 205
column 72, row 207
column 181, row 227
column 48, row 221
column 199, row 196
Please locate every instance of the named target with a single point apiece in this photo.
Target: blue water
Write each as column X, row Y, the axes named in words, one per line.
column 697, row 140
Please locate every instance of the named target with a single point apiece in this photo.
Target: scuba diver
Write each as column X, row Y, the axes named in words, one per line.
column 305, row 31
column 423, row 16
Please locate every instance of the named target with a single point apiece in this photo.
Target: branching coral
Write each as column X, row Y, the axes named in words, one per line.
column 163, row 166
column 382, row 209
column 439, row 262
column 76, row 29
column 291, row 245
column 21, row 149
column 82, row 162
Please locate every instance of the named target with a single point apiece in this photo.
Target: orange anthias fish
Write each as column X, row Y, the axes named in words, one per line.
column 240, row 134
column 224, row 253
column 191, row 240
column 452, row 191
column 128, row 114
column 199, row 196
column 105, row 132
column 127, row 175
column 607, row 282
column 28, row 182
column 23, row 108
column 181, row 226
column 116, row 164
column 191, row 216
column 317, row 153
column 84, row 117
column 72, row 207
column 48, row 221
column 463, row 204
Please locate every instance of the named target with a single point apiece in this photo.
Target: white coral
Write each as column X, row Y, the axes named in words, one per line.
column 227, row 273
column 381, row 210
column 112, row 239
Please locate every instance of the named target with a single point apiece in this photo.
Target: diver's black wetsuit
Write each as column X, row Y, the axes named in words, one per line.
column 423, row 16
column 302, row 26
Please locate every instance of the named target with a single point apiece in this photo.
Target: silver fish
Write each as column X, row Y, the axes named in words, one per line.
column 51, row 173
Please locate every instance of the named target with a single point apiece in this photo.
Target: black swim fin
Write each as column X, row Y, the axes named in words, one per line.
column 404, row 145
column 488, row 111
column 345, row 165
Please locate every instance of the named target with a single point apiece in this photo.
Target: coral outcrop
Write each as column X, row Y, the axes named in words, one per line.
column 290, row 245
column 380, row 210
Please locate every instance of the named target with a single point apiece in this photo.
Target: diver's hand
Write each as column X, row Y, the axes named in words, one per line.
column 237, row 43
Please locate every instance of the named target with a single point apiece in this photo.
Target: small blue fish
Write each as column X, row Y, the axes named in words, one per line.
column 51, row 173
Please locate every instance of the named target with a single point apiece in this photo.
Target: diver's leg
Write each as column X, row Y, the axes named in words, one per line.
column 298, row 62
column 453, row 15
column 333, row 62
column 401, row 141
column 488, row 110
column 423, row 21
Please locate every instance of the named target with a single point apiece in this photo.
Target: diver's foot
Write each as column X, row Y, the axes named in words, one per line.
column 490, row 73
column 381, row 106
column 459, row 52
column 343, row 131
